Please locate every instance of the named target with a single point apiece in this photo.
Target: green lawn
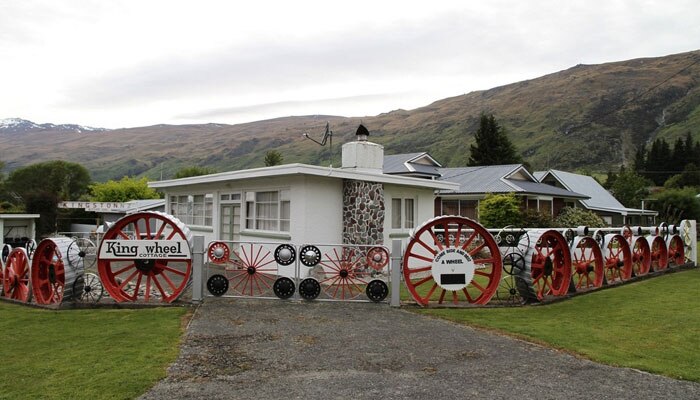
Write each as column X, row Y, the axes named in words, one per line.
column 652, row 325
column 85, row 354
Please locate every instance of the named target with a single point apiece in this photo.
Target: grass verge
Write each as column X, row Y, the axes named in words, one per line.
column 85, row 354
column 650, row 325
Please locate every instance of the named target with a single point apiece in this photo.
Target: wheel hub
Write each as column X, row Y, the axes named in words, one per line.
column 251, row 270
column 145, row 265
column 52, row 273
column 343, row 273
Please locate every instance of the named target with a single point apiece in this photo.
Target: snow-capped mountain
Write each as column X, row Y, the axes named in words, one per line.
column 18, row 125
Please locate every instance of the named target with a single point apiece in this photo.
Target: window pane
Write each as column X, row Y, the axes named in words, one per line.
column 250, row 215
column 396, row 213
column 409, row 213
column 450, row 207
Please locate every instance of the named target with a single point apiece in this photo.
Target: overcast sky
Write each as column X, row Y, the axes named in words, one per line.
column 114, row 63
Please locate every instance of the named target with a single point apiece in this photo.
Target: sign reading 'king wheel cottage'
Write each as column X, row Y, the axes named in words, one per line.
column 176, row 249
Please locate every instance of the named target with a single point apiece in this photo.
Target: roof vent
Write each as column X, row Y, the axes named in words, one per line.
column 362, row 133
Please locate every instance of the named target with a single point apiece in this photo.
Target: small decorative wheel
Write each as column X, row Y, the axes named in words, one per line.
column 507, row 293
column 285, row 254
column 218, row 252
column 618, row 258
column 641, row 256
column 253, row 271
column 145, row 256
column 626, row 232
column 512, row 237
column 17, row 281
column 663, row 230
column 599, row 237
column 587, row 263
column 6, row 249
column 309, row 289
column 217, row 285
column 676, row 250
column 92, row 289
column 81, row 254
column 283, row 287
column 30, row 246
column 377, row 258
column 658, row 253
column 310, row 255
column 452, row 254
column 687, row 236
column 377, row 290
column 569, row 235
column 548, row 266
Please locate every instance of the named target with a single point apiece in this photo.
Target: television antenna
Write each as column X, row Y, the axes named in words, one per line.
column 327, row 137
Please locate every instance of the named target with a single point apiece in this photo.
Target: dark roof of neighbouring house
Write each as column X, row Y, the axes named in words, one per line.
column 500, row 179
column 412, row 164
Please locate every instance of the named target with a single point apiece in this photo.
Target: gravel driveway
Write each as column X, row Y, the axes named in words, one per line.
column 259, row 349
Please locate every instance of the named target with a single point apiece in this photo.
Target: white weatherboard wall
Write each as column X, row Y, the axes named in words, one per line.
column 315, row 208
column 424, row 200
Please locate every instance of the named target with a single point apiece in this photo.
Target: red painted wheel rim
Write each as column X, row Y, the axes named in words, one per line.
column 451, row 232
column 17, row 278
column 659, row 254
column 219, row 253
column 253, row 270
column 377, row 258
column 618, row 259
column 641, row 256
column 48, row 273
column 343, row 274
column 129, row 280
column 587, row 263
column 676, row 250
column 550, row 265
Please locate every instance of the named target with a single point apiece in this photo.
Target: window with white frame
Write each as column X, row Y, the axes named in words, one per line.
column 193, row 209
column 268, row 211
column 402, row 213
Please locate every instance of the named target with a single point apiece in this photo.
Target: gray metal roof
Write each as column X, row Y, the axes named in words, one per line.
column 544, row 189
column 599, row 197
column 399, row 164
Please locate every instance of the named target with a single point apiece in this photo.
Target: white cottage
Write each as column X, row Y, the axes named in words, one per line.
column 299, row 203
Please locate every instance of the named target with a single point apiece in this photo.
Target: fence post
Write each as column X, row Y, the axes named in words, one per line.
column 396, row 253
column 197, row 268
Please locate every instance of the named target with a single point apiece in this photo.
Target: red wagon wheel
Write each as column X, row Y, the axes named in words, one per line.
column 587, row 263
column 377, row 258
column 548, row 264
column 618, row 258
column 641, row 256
column 253, row 271
column 676, row 250
column 658, row 253
column 452, row 258
column 343, row 274
column 17, row 282
column 150, row 272
column 49, row 272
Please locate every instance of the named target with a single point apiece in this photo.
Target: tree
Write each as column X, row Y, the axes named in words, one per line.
column 630, row 188
column 492, row 145
column 675, row 205
column 125, row 189
column 65, row 180
column 690, row 177
column 499, row 210
column 571, row 217
column 193, row 171
column 273, row 157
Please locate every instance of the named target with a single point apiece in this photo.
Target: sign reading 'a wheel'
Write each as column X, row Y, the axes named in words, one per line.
column 453, row 269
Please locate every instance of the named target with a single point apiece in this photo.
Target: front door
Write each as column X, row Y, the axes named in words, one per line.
column 231, row 222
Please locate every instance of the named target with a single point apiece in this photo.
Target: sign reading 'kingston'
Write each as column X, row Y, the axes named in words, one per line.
column 144, row 249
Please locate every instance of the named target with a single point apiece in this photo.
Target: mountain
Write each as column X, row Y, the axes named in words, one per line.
column 18, row 125
column 586, row 117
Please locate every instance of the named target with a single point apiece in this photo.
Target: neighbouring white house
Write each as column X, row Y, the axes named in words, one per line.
column 599, row 199
column 355, row 204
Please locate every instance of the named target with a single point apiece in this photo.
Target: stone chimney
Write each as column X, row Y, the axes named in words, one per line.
column 363, row 155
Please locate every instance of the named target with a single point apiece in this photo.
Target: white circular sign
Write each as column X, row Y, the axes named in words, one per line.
column 453, row 269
